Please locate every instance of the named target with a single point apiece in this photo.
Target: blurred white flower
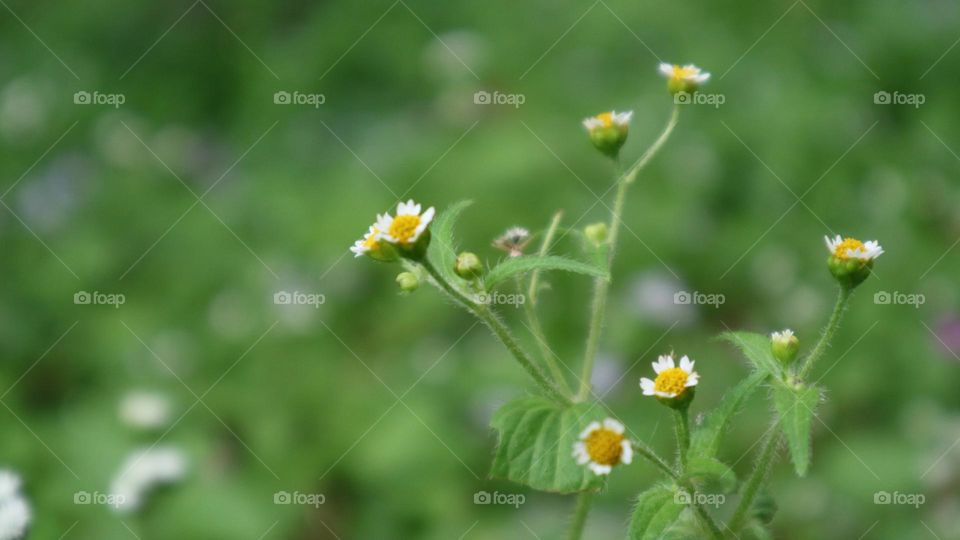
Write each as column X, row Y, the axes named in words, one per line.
column 147, row 410
column 14, row 510
column 143, row 471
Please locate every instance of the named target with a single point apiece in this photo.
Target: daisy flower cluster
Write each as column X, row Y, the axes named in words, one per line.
column 405, row 233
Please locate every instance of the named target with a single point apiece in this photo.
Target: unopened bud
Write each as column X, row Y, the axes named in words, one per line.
column 784, row 346
column 408, row 281
column 468, row 265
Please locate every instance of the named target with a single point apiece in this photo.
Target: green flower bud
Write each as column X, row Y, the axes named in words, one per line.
column 408, row 281
column 596, row 233
column 608, row 131
column 784, row 346
column 468, row 266
column 851, row 260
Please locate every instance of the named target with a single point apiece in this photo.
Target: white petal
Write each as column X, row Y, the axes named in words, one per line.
column 692, row 380
column 666, row 394
column 666, row 69
column 580, row 452
column 686, row 364
column 647, row 386
column 613, row 425
column 601, row 469
column 591, row 427
column 626, row 453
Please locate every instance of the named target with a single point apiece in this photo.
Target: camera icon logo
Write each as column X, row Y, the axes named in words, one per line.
column 82, row 497
column 881, row 298
column 82, row 298
column 481, row 97
column 282, row 298
column 281, row 97
column 881, row 98
column 482, row 497
column 682, row 298
column 81, row 98
column 882, row 497
column 682, row 497
column 682, row 98
column 282, row 497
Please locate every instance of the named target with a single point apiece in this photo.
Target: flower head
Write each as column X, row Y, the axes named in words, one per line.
column 601, row 446
column 850, row 259
column 370, row 242
column 514, row 241
column 784, row 345
column 672, row 382
column 408, row 225
column 686, row 78
column 608, row 131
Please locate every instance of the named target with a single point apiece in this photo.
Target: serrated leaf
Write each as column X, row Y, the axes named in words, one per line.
column 655, row 512
column 442, row 250
column 756, row 347
column 705, row 440
column 796, row 405
column 521, row 265
column 710, row 475
column 536, row 438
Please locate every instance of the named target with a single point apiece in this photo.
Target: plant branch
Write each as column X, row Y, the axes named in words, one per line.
column 760, row 471
column 584, row 500
column 828, row 332
column 683, row 435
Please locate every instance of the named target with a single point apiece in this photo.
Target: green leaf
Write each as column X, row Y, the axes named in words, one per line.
column 442, row 250
column 756, row 347
column 706, row 438
column 756, row 531
column 656, row 510
column 520, row 265
column 710, row 475
column 796, row 404
column 536, row 438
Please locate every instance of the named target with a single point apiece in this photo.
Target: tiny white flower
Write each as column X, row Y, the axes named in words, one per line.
column 608, row 119
column 688, row 73
column 671, row 381
column 851, row 248
column 407, row 226
column 602, row 446
column 143, row 471
column 15, row 513
column 369, row 242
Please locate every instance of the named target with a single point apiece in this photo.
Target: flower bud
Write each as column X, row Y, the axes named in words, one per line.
column 408, row 281
column 851, row 260
column 784, row 346
column 468, row 266
column 596, row 233
column 608, row 131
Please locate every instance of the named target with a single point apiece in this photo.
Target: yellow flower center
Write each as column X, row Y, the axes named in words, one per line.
column 404, row 227
column 672, row 380
column 680, row 73
column 851, row 244
column 371, row 242
column 604, row 446
column 606, row 119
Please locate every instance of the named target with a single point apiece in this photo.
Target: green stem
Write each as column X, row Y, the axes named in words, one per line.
column 530, row 310
column 601, row 286
column 647, row 453
column 683, row 435
column 708, row 520
column 827, row 336
column 760, row 471
column 584, row 500
column 499, row 329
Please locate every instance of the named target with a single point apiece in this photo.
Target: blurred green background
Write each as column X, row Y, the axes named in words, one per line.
column 199, row 198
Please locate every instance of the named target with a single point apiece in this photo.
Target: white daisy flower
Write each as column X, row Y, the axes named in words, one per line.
column 404, row 229
column 608, row 119
column 851, row 248
column 685, row 74
column 671, row 381
column 369, row 242
column 602, row 446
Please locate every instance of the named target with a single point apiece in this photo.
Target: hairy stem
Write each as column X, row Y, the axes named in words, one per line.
column 683, row 435
column 500, row 330
column 584, row 500
column 827, row 336
column 647, row 453
column 707, row 520
column 601, row 286
column 760, row 471
column 530, row 310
